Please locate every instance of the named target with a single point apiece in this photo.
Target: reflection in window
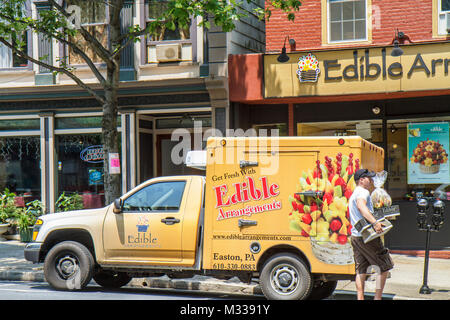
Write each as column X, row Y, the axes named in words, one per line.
column 93, row 19
column 163, row 196
column 155, row 9
column 8, row 59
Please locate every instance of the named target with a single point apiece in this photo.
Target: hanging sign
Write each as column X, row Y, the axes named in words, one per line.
column 428, row 145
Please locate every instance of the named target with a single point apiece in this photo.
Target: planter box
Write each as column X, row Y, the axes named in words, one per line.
column 26, row 235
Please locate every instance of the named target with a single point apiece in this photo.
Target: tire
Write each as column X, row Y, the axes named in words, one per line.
column 68, row 266
column 285, row 277
column 111, row 279
column 322, row 290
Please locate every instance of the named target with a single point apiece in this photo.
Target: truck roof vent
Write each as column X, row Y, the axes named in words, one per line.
column 196, row 159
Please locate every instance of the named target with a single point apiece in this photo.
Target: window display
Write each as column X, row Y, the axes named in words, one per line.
column 413, row 160
column 80, row 167
column 20, row 167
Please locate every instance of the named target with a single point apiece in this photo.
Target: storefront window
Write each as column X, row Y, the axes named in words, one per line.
column 81, row 122
column 268, row 129
column 371, row 130
column 186, row 121
column 22, row 124
column 429, row 165
column 20, row 167
column 80, row 167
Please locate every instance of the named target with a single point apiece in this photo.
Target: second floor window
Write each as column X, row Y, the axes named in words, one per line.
column 156, row 8
column 347, row 20
column 444, row 16
column 93, row 19
column 8, row 59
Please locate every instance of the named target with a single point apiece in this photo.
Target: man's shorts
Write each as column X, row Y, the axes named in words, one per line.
column 372, row 253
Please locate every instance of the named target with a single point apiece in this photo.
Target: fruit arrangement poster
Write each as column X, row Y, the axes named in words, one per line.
column 428, row 146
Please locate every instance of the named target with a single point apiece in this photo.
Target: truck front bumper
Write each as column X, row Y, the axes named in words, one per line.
column 32, row 251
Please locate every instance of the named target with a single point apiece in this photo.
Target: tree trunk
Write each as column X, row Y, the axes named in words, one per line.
column 110, row 144
column 111, row 106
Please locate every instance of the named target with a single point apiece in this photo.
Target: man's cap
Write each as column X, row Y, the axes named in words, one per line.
column 361, row 173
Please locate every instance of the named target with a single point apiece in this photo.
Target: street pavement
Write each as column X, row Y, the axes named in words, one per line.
column 404, row 283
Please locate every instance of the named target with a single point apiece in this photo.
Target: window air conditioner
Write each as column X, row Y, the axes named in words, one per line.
column 168, row 52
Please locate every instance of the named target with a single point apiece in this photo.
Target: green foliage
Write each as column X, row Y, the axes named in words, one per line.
column 22, row 217
column 8, row 209
column 69, row 202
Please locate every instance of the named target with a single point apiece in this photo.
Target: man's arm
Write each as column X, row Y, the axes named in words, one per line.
column 362, row 207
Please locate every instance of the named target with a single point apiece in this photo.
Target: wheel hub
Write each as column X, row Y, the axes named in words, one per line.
column 67, row 266
column 285, row 279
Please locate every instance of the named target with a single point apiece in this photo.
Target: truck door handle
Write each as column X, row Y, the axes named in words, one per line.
column 245, row 223
column 310, row 193
column 170, row 220
column 245, row 163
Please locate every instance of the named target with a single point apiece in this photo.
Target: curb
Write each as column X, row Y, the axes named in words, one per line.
column 439, row 254
column 14, row 275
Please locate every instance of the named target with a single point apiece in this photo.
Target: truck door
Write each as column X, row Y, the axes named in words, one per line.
column 150, row 225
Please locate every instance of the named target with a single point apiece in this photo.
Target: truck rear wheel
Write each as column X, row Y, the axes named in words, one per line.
column 68, row 266
column 285, row 277
column 111, row 279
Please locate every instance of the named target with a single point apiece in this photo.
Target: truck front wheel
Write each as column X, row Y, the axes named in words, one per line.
column 285, row 277
column 68, row 266
column 111, row 279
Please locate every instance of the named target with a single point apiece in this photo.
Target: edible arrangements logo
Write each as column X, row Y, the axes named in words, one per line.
column 308, row 68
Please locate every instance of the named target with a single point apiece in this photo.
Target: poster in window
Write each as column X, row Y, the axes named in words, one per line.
column 428, row 146
column 95, row 176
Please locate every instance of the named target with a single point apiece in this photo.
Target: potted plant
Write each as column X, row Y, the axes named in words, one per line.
column 26, row 218
column 69, row 202
column 8, row 212
column 3, row 224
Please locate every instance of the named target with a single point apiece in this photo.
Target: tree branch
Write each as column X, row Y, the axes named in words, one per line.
column 53, row 68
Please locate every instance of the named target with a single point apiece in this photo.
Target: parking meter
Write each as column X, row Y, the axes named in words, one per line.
column 422, row 207
column 438, row 214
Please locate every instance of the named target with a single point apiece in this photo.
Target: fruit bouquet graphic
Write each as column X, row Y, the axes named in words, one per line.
column 308, row 68
column 325, row 220
column 429, row 155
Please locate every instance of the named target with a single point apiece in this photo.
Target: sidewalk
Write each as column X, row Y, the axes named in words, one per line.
column 404, row 284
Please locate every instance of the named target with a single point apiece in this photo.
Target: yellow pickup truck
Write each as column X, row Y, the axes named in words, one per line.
column 272, row 209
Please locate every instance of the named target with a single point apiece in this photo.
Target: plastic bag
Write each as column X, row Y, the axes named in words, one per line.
column 380, row 198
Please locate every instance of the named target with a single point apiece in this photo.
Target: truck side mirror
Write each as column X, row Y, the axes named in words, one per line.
column 117, row 205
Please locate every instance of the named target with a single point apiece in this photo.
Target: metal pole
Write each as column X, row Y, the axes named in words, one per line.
column 424, row 289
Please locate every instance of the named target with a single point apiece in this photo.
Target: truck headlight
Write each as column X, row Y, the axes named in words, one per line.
column 36, row 228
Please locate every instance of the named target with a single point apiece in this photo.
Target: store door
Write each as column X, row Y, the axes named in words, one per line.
column 170, row 157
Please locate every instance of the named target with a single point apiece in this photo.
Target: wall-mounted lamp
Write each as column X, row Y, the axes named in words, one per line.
column 400, row 37
column 283, row 57
column 393, row 129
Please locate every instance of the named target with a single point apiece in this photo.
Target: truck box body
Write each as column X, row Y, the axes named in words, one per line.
column 259, row 193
